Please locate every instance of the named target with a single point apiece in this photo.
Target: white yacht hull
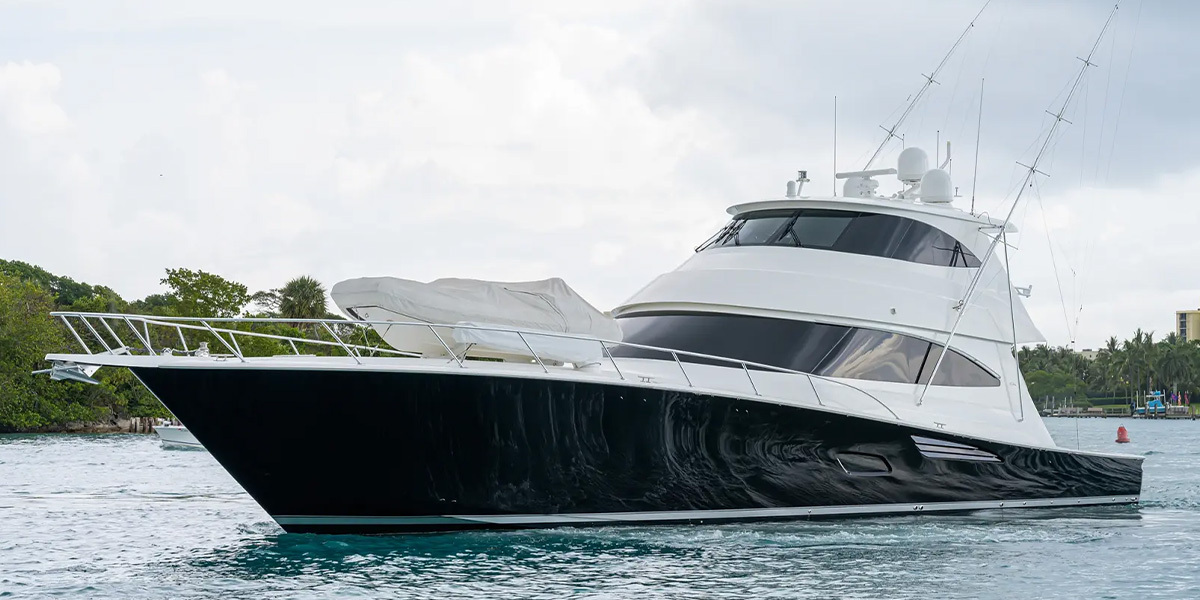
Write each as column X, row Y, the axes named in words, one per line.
column 177, row 436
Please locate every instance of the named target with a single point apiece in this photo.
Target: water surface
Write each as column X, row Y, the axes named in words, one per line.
column 116, row 516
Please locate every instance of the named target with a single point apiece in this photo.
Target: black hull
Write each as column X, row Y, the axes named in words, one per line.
column 383, row 452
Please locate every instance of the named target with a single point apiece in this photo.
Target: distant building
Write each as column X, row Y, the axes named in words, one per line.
column 1187, row 324
column 1089, row 354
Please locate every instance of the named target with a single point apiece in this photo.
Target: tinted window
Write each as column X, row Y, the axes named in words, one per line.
column 956, row 370
column 829, row 350
column 874, row 235
column 878, row 356
column 820, row 229
column 757, row 229
column 760, row 231
column 928, row 245
column 888, row 236
column 796, row 345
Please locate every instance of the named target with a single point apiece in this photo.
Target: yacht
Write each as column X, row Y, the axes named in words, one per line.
column 176, row 436
column 814, row 358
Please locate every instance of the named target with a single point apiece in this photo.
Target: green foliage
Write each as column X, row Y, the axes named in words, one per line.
column 1057, row 384
column 27, row 333
column 29, row 293
column 196, row 293
column 1121, row 370
column 302, row 298
column 299, row 298
column 64, row 289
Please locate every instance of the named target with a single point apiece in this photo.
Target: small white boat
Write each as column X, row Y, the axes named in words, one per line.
column 176, row 436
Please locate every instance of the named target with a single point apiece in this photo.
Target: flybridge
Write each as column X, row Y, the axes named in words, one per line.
column 919, row 182
column 930, row 186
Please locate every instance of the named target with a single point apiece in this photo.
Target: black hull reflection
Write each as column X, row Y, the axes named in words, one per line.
column 380, row 452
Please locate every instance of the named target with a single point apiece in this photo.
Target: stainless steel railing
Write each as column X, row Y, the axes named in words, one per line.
column 355, row 351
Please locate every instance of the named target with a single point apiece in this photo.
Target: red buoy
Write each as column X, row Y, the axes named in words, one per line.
column 1122, row 435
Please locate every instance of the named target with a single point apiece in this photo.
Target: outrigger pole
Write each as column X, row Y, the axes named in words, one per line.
column 1030, row 171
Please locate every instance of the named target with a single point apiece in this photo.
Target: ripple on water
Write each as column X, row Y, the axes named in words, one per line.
column 166, row 524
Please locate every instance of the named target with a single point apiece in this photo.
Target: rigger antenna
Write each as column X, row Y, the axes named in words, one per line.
column 1030, row 170
column 929, row 81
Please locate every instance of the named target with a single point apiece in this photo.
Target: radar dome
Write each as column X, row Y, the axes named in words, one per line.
column 936, row 187
column 912, row 165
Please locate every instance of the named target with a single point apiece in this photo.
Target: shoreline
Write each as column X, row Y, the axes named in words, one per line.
column 140, row 425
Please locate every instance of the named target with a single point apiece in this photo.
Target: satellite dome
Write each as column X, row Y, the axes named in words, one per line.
column 912, row 165
column 936, row 187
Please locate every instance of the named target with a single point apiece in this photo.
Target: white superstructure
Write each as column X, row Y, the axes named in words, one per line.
column 781, row 277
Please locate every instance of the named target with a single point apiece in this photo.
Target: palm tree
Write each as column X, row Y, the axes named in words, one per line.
column 303, row 298
column 1174, row 360
column 1109, row 366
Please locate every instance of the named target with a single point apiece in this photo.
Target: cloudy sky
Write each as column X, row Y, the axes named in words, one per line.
column 595, row 141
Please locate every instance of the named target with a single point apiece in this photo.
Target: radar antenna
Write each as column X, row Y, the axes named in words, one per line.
column 929, row 81
column 1030, row 170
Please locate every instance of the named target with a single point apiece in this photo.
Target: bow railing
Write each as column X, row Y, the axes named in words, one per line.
column 340, row 332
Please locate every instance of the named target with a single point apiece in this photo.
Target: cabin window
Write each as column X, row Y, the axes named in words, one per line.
column 818, row 348
column 877, row 356
column 796, row 345
column 870, row 234
column 956, row 370
column 928, row 245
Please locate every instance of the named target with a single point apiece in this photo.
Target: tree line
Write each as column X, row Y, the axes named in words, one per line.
column 1121, row 370
column 29, row 293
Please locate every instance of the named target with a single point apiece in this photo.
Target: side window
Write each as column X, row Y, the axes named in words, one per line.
column 818, row 228
column 877, row 356
column 956, row 370
column 928, row 245
column 874, row 235
column 796, row 345
column 823, row 349
column 961, row 256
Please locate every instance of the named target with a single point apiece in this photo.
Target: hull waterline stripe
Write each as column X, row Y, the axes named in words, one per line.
column 696, row 515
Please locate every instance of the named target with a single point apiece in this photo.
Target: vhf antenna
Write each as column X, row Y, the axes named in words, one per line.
column 929, row 81
column 978, row 128
column 1030, row 171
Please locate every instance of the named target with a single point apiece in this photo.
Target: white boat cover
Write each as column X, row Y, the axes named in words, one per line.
column 549, row 305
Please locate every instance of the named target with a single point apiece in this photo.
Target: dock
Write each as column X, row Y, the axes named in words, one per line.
column 1098, row 412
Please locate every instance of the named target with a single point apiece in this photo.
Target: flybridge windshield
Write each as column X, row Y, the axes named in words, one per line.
column 872, row 234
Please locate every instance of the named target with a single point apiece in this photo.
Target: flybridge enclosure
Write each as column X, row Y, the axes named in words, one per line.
column 548, row 305
column 983, row 222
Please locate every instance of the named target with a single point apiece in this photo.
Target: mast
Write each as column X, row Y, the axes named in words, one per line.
column 1030, row 171
column 929, row 81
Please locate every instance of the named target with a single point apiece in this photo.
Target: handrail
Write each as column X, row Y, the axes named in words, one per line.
column 205, row 324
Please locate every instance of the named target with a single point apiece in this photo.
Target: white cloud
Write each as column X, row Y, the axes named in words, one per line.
column 606, row 253
column 595, row 141
column 1125, row 259
column 27, row 101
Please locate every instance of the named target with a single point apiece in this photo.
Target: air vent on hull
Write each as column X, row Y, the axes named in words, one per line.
column 863, row 464
column 941, row 449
